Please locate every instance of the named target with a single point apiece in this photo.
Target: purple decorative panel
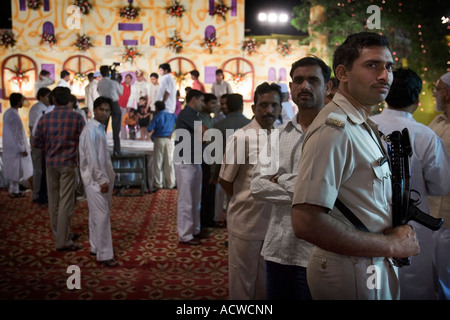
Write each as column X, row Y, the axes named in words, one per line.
column 211, row 7
column 108, row 40
column 152, row 41
column 210, row 74
column 50, row 68
column 46, row 5
column 233, row 8
column 48, row 28
column 272, row 76
column 130, row 42
column 130, row 27
column 282, row 74
column 23, row 5
column 210, row 32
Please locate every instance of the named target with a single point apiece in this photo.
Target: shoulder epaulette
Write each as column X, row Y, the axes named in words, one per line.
column 336, row 120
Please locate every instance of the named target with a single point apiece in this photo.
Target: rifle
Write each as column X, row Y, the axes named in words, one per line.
column 404, row 209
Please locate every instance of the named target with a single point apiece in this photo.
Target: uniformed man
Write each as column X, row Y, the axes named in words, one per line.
column 344, row 159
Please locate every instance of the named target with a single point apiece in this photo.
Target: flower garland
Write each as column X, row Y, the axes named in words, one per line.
column 83, row 42
column 210, row 43
column 238, row 78
column 7, row 39
column 221, row 9
column 130, row 54
column 19, row 78
column 175, row 43
column 250, row 46
column 130, row 12
column 179, row 77
column 175, row 10
column 284, row 48
column 79, row 78
column 84, row 6
column 48, row 38
column 34, row 4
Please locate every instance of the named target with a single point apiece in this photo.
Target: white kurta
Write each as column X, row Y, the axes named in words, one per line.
column 138, row 89
column 96, row 169
column 167, row 84
column 16, row 167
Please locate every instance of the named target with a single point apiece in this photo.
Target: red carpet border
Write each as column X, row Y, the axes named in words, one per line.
column 152, row 265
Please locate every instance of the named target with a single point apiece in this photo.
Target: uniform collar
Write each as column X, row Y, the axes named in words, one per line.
column 349, row 109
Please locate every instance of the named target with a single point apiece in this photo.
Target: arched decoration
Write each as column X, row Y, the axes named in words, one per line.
column 272, row 76
column 210, row 32
column 240, row 73
column 152, row 41
column 48, row 28
column 180, row 69
column 282, row 75
column 19, row 74
column 108, row 40
column 79, row 66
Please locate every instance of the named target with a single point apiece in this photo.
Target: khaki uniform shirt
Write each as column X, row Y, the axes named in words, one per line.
column 247, row 218
column 342, row 157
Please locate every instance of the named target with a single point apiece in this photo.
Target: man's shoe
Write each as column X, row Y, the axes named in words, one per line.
column 111, row 263
column 202, row 235
column 193, row 242
column 73, row 247
column 74, row 236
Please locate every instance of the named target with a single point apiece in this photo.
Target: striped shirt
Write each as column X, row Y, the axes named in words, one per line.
column 58, row 134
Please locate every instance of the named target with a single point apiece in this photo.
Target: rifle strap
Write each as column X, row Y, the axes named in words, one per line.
column 350, row 216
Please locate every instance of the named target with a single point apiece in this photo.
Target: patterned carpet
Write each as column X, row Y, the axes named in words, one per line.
column 152, row 265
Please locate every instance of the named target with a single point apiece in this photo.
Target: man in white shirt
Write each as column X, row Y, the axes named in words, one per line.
column 153, row 90
column 167, row 90
column 36, row 112
column 16, row 151
column 98, row 177
column 285, row 255
column 90, row 91
column 430, row 175
column 65, row 80
column 43, row 80
column 220, row 87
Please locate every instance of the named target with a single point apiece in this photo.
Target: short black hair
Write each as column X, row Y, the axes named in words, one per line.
column 209, row 97
column 350, row 50
column 312, row 61
column 405, row 88
column 235, row 102
column 64, row 73
column 100, row 100
column 265, row 88
column 165, row 66
column 44, row 73
column 42, row 92
column 193, row 94
column 219, row 71
column 61, row 96
column 154, row 74
column 160, row 105
column 195, row 73
column 90, row 75
column 15, row 99
column 104, row 70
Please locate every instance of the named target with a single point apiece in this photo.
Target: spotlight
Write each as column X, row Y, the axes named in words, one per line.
column 273, row 17
column 283, row 17
column 262, row 16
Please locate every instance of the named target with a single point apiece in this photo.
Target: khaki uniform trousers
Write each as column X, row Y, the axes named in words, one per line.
column 163, row 168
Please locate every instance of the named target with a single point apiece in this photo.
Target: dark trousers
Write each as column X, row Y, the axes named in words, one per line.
column 116, row 115
column 285, row 282
column 208, row 197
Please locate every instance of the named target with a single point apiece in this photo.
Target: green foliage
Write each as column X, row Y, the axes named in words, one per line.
column 400, row 21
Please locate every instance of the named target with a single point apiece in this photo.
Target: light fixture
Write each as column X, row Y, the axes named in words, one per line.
column 273, row 17
column 283, row 17
column 262, row 16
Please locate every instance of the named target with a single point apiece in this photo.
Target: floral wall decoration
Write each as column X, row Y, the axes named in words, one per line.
column 284, row 48
column 85, row 6
column 19, row 78
column 175, row 43
column 34, row 4
column 130, row 12
column 7, row 39
column 175, row 10
column 221, row 9
column 250, row 46
column 83, row 42
column 130, row 54
column 48, row 38
column 210, row 43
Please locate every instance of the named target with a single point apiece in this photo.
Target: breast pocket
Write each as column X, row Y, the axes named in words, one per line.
column 381, row 184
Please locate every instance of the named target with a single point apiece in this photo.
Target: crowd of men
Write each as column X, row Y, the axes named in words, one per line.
column 314, row 222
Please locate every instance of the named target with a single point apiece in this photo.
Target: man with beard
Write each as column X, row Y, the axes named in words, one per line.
column 285, row 255
column 247, row 217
